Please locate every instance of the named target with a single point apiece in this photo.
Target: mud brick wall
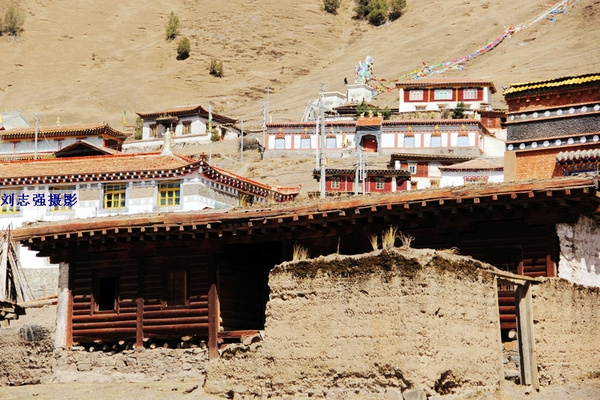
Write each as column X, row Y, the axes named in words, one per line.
column 566, row 320
column 354, row 326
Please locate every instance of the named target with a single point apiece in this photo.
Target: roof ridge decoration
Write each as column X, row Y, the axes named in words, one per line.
column 555, row 82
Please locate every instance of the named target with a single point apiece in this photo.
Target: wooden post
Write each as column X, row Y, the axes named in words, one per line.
column 139, row 304
column 64, row 333
column 524, row 305
column 213, row 311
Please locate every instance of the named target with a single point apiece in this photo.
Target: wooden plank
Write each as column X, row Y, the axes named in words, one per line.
column 529, row 373
column 237, row 334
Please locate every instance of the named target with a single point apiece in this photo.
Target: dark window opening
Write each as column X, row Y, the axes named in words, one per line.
column 106, row 295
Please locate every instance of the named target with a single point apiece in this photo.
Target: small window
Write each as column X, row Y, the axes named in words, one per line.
column 105, row 298
column 305, row 143
column 176, row 287
column 187, row 127
column 114, row 196
column 470, row 94
column 168, row 194
column 436, row 141
column 335, row 183
column 434, row 183
column 409, row 141
column 443, row 94
column 412, row 168
column 330, row 142
column 380, row 185
column 279, row 143
column 463, row 141
column 415, row 95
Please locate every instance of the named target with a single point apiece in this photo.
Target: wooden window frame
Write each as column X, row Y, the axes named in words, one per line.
column 118, row 192
column 170, row 193
column 186, row 127
column 61, row 190
column 169, row 294
column 7, row 209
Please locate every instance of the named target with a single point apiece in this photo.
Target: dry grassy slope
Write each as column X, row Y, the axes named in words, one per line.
column 279, row 43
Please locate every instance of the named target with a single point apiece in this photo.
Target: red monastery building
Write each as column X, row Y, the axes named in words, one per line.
column 553, row 127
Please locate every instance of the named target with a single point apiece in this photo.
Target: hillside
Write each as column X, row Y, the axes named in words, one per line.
column 88, row 60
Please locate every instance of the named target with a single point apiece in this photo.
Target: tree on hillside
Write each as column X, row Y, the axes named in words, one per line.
column 13, row 21
column 172, row 26
column 459, row 111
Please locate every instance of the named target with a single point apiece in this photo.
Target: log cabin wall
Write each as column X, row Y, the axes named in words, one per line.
column 171, row 279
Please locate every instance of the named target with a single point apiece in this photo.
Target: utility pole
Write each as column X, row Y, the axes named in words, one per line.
column 266, row 116
column 242, row 142
column 37, row 126
column 322, row 117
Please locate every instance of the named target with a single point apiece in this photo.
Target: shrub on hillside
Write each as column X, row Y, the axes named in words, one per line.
column 173, row 26
column 377, row 12
column 216, row 68
column 139, row 126
column 397, row 7
column 13, row 21
column 183, row 49
column 331, row 6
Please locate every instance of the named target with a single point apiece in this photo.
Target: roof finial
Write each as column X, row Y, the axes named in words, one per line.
column 167, row 145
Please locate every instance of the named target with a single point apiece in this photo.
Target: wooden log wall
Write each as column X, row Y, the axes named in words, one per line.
column 159, row 320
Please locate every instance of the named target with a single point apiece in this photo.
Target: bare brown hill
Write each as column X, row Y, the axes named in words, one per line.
column 88, row 60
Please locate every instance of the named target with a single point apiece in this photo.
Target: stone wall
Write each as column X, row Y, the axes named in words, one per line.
column 349, row 327
column 579, row 260
column 42, row 281
column 566, row 320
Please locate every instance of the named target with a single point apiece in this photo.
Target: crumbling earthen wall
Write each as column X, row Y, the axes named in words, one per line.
column 566, row 320
column 579, row 251
column 354, row 326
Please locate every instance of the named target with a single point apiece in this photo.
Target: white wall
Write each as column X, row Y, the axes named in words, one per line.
column 579, row 259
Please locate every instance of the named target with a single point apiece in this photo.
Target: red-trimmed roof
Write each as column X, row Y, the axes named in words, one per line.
column 84, row 146
column 342, row 208
column 248, row 185
column 182, row 111
column 473, row 165
column 445, row 83
column 61, row 131
column 92, row 169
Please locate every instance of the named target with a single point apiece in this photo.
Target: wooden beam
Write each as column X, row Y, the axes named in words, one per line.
column 524, row 304
column 213, row 310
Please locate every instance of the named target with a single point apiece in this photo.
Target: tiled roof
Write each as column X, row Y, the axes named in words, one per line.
column 369, row 121
column 182, row 111
column 430, row 157
column 62, row 131
column 82, row 146
column 551, row 83
column 93, row 169
column 473, row 165
column 445, row 83
column 248, row 185
column 290, row 216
